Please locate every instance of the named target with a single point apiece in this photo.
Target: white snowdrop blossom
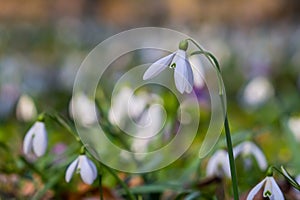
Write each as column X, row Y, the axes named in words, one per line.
column 198, row 71
column 218, row 165
column 258, row 91
column 294, row 126
column 249, row 148
column 83, row 166
column 271, row 189
column 83, row 109
column 26, row 110
column 183, row 74
column 36, row 139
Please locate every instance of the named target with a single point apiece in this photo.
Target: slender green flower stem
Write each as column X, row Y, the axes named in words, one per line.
column 100, row 186
column 125, row 187
column 212, row 59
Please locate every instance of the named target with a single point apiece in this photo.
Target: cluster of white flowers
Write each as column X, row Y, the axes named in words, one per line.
column 218, row 165
column 36, row 140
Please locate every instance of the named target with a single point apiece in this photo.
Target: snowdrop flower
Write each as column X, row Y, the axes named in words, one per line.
column 198, row 71
column 258, row 91
column 83, row 109
column 85, row 167
column 125, row 103
column 183, row 74
column 218, row 165
column 271, row 189
column 249, row 148
column 36, row 139
column 26, row 110
column 294, row 126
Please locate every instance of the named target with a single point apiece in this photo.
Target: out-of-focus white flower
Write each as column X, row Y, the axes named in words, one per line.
column 218, row 165
column 258, row 91
column 294, row 126
column 26, row 110
column 125, row 103
column 271, row 189
column 36, row 139
column 198, row 71
column 85, row 167
column 150, row 124
column 183, row 74
column 83, row 109
column 249, row 148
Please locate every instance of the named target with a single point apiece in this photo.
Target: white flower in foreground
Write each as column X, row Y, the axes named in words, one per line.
column 26, row 110
column 271, row 189
column 36, row 139
column 249, row 148
column 218, row 165
column 183, row 74
column 85, row 167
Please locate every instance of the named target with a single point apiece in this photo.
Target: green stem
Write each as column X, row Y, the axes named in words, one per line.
column 125, row 187
column 212, row 59
column 100, row 186
column 231, row 160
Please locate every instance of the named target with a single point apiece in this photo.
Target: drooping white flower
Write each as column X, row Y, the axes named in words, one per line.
column 218, row 165
column 36, row 139
column 183, row 74
column 85, row 167
column 271, row 189
column 249, row 148
column 25, row 109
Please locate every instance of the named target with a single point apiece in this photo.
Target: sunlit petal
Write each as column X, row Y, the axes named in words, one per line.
column 27, row 144
column 158, row 67
column 40, row 139
column 255, row 190
column 276, row 192
column 87, row 171
column 71, row 169
column 181, row 71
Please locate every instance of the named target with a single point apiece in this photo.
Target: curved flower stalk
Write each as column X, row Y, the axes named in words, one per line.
column 271, row 189
column 218, row 165
column 36, row 139
column 249, row 148
column 26, row 110
column 85, row 167
column 183, row 74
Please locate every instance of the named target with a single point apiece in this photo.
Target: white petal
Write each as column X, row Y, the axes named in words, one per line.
column 226, row 166
column 71, row 169
column 27, row 144
column 40, row 139
column 276, row 192
column 259, row 156
column 158, row 67
column 198, row 71
column 219, row 161
column 182, row 74
column 255, row 190
column 237, row 150
column 88, row 172
column 190, row 77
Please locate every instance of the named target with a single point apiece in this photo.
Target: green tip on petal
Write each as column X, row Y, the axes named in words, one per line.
column 183, row 45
